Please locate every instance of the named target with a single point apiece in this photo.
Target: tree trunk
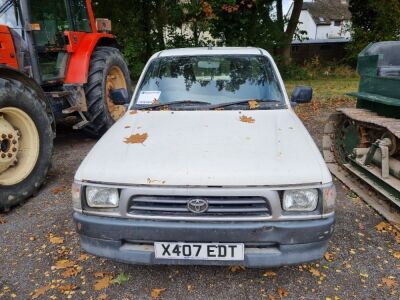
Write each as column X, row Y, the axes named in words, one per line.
column 279, row 12
column 290, row 30
column 160, row 23
column 196, row 33
column 146, row 29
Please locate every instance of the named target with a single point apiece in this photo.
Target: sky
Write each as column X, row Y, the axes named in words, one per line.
column 286, row 5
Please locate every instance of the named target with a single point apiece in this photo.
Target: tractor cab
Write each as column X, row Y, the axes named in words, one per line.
column 47, row 23
column 59, row 44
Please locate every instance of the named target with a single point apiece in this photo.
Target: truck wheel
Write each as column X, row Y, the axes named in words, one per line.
column 108, row 71
column 26, row 143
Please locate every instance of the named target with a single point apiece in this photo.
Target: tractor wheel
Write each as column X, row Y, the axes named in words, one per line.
column 26, row 143
column 108, row 71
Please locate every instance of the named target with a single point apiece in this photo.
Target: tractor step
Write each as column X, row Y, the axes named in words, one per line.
column 71, row 110
column 81, row 124
column 59, row 94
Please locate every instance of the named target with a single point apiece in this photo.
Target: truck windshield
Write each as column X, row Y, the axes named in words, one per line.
column 213, row 80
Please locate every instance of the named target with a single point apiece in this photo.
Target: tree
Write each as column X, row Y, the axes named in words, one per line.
column 290, row 28
column 147, row 26
column 374, row 21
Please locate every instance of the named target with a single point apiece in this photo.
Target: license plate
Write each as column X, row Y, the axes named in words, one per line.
column 199, row 251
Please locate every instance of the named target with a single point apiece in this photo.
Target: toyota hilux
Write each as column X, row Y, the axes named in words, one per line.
column 210, row 165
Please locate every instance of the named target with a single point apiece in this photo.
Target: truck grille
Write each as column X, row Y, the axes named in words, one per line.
column 217, row 206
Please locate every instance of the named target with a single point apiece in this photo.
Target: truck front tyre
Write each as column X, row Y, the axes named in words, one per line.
column 108, row 71
column 26, row 142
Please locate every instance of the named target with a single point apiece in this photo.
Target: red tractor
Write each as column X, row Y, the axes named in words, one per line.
column 56, row 62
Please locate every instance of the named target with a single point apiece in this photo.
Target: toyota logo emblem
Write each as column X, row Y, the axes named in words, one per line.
column 197, row 206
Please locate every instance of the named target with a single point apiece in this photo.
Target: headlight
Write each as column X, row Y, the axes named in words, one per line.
column 101, row 197
column 329, row 198
column 300, row 200
column 76, row 197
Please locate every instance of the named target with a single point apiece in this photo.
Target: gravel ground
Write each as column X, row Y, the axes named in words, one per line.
column 38, row 241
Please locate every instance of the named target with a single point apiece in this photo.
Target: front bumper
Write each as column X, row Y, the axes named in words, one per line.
column 267, row 244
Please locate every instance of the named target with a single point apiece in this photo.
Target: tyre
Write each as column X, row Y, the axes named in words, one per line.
column 26, row 142
column 108, row 71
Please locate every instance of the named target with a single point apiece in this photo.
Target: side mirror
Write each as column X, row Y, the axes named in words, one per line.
column 119, row 96
column 302, row 94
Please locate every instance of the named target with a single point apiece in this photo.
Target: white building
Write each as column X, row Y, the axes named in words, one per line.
column 324, row 19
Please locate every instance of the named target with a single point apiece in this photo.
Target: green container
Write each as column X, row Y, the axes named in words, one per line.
column 379, row 69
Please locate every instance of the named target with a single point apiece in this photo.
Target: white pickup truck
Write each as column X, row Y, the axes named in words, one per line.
column 210, row 165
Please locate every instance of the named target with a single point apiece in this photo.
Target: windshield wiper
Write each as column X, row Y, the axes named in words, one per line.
column 182, row 102
column 225, row 104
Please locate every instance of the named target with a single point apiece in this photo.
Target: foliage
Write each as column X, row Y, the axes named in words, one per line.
column 144, row 27
column 374, row 21
column 314, row 70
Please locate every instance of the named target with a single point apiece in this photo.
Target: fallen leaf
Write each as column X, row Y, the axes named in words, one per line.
column 253, row 104
column 127, row 126
column 102, row 297
column 269, row 274
column 121, row 278
column 189, row 287
column 83, row 257
column 133, row 112
column 156, row 293
column 136, row 138
column 270, row 297
column 2, row 220
column 247, row 119
column 282, row 293
column 397, row 254
column 56, row 240
column 328, row 256
column 382, row 226
column 103, row 283
column 40, row 292
column 67, row 288
column 63, row 264
column 234, row 269
column 59, row 189
column 72, row 272
column 315, row 272
column 99, row 274
column 389, row 282
column 365, row 275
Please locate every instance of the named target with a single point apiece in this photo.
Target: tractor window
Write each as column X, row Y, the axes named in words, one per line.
column 80, row 16
column 52, row 17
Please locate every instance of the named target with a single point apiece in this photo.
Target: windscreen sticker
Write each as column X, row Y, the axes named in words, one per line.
column 148, row 97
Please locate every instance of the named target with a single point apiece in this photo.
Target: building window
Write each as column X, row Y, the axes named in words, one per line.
column 338, row 23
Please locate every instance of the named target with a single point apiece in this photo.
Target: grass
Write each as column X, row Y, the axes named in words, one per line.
column 327, row 88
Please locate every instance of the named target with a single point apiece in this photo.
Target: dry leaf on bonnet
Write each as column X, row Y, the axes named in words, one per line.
column 136, row 138
column 253, row 104
column 247, row 119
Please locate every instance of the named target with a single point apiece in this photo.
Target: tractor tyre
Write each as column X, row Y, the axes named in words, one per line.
column 26, row 142
column 108, row 70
